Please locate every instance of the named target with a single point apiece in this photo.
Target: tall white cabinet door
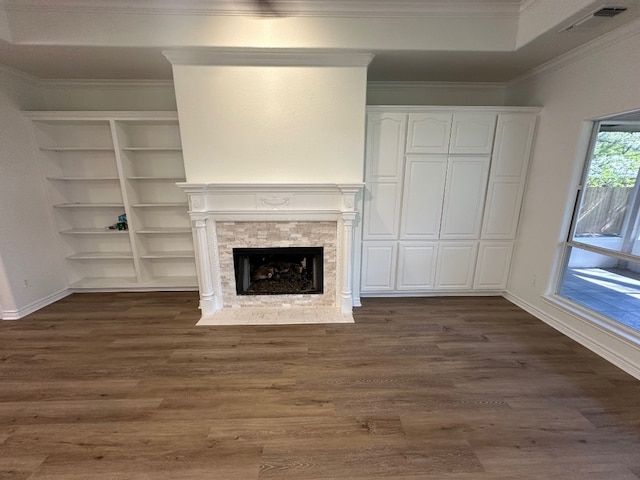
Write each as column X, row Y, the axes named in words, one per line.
column 378, row 266
column 386, row 135
column 422, row 197
column 428, row 132
column 464, row 198
column 416, row 265
column 492, row 268
column 455, row 265
column 472, row 133
column 514, row 137
column 381, row 211
column 502, row 210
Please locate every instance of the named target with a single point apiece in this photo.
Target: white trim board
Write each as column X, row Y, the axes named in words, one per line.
column 34, row 306
column 311, row 8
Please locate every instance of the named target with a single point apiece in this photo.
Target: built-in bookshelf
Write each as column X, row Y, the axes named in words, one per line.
column 101, row 165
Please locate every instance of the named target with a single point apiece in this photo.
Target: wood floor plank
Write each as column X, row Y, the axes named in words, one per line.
column 125, row 386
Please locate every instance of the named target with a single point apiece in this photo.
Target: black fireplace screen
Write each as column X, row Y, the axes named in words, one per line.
column 278, row 271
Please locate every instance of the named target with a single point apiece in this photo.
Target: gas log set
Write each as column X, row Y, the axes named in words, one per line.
column 276, row 271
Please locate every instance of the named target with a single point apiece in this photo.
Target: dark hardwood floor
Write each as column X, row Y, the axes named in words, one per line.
column 125, row 386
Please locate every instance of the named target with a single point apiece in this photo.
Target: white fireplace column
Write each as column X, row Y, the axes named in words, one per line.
column 210, row 298
column 346, row 245
column 262, row 203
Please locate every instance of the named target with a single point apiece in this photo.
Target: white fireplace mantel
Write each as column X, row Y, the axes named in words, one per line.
column 210, row 203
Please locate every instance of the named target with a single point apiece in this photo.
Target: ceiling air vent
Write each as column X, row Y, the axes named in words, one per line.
column 597, row 18
column 609, row 11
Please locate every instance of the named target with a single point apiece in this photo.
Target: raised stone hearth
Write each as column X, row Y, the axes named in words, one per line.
column 228, row 216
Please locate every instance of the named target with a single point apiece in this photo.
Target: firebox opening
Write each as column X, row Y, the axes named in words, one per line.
column 278, row 271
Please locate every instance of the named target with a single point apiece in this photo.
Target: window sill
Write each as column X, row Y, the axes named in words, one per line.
column 599, row 321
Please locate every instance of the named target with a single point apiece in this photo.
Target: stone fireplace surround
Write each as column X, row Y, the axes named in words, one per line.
column 225, row 216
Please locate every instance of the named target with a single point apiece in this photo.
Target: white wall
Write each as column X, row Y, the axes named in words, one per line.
column 436, row 93
column 116, row 95
column 598, row 80
column 28, row 245
column 143, row 95
column 272, row 124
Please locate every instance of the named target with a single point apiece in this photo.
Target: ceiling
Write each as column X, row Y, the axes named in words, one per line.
column 413, row 40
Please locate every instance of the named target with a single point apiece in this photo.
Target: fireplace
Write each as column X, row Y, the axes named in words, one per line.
column 278, row 271
column 240, row 229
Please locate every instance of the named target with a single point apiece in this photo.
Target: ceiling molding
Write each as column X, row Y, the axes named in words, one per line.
column 106, row 84
column 607, row 40
column 268, row 57
column 527, row 6
column 383, row 86
column 25, row 77
column 332, row 8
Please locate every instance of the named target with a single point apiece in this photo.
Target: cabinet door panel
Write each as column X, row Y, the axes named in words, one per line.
column 378, row 266
column 416, row 265
column 429, row 132
column 455, row 266
column 381, row 211
column 472, row 133
column 502, row 211
column 514, row 136
column 464, row 197
column 386, row 135
column 423, row 196
column 492, row 269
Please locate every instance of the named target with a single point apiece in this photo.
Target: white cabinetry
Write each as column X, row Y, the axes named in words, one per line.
column 466, row 184
column 441, row 208
column 492, row 269
column 385, row 146
column 456, row 261
column 514, row 137
column 101, row 165
column 429, row 132
column 472, row 133
column 416, row 265
column 379, row 266
column 423, row 196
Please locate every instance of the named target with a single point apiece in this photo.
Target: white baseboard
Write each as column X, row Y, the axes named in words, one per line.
column 37, row 305
column 608, row 345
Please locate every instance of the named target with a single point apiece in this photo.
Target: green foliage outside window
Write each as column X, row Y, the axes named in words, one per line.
column 616, row 160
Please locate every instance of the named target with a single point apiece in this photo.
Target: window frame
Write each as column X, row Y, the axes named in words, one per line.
column 634, row 212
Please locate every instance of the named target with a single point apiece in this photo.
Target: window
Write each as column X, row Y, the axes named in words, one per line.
column 602, row 258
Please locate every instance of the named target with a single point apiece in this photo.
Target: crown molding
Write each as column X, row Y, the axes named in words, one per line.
column 385, row 86
column 100, row 115
column 322, row 8
column 25, row 77
column 527, row 6
column 106, row 83
column 607, row 40
column 452, row 108
column 267, row 57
